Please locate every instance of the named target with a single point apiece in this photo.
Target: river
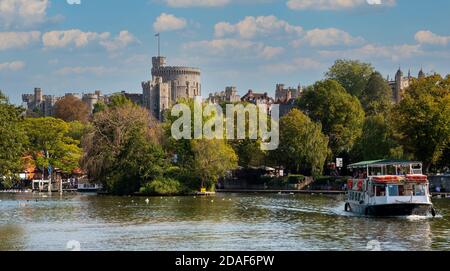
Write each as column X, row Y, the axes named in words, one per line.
column 222, row 222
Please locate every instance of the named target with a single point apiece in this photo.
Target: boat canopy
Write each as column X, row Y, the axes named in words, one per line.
column 381, row 163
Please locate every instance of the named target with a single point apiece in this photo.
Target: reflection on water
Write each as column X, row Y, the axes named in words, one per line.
column 223, row 222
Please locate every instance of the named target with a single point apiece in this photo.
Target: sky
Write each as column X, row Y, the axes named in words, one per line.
column 78, row 46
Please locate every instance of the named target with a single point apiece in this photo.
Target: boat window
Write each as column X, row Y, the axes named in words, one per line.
column 416, row 169
column 380, row 190
column 403, row 170
column 393, row 190
column 375, row 171
column 419, row 190
column 391, row 170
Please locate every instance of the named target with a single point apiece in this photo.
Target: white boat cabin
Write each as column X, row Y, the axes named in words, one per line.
column 384, row 182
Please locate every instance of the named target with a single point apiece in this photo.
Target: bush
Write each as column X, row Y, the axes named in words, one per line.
column 162, row 187
column 296, row 179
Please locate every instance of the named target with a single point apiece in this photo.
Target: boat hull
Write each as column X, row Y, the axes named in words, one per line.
column 386, row 210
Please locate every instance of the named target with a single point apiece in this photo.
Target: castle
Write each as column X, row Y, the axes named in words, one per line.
column 401, row 83
column 227, row 96
column 168, row 84
column 44, row 105
column 285, row 95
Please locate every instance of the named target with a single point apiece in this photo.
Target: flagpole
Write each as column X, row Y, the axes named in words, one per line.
column 159, row 44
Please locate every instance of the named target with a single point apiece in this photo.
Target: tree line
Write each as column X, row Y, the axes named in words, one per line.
column 349, row 114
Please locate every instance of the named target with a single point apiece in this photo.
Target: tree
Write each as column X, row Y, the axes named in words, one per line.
column 377, row 96
column 340, row 114
column 70, row 108
column 303, row 147
column 249, row 152
column 12, row 139
column 212, row 160
column 353, row 75
column 123, row 149
column 50, row 145
column 422, row 119
column 377, row 141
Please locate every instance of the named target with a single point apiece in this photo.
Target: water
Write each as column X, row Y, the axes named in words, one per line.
column 223, row 222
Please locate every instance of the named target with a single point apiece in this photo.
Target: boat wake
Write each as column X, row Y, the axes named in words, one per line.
column 340, row 211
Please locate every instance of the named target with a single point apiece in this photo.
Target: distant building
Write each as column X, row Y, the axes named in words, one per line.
column 168, row 85
column 257, row 98
column 136, row 98
column 227, row 96
column 401, row 83
column 91, row 99
column 38, row 104
column 285, row 95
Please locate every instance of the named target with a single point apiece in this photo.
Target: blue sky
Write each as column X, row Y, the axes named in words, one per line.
column 251, row 44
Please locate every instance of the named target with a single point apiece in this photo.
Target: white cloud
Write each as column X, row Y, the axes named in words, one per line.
column 428, row 37
column 14, row 40
column 20, row 13
column 12, row 66
column 79, row 39
column 335, row 4
column 328, row 37
column 121, row 41
column 97, row 70
column 372, row 51
column 196, row 3
column 269, row 52
column 168, row 22
column 73, row 37
column 234, row 47
column 251, row 27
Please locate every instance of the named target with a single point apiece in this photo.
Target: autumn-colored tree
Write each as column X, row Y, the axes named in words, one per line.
column 70, row 108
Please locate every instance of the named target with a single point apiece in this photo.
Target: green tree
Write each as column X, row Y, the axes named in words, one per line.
column 303, row 146
column 353, row 75
column 340, row 114
column 12, row 139
column 123, row 149
column 50, row 144
column 249, row 152
column 422, row 119
column 377, row 96
column 212, row 160
column 377, row 141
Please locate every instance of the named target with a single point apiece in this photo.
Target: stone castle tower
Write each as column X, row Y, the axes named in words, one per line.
column 401, row 83
column 168, row 84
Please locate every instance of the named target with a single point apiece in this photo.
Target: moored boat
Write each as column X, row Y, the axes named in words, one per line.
column 388, row 188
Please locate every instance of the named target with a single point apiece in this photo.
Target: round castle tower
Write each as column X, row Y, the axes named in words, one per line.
column 184, row 82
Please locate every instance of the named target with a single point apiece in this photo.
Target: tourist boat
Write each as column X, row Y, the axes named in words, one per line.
column 388, row 188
